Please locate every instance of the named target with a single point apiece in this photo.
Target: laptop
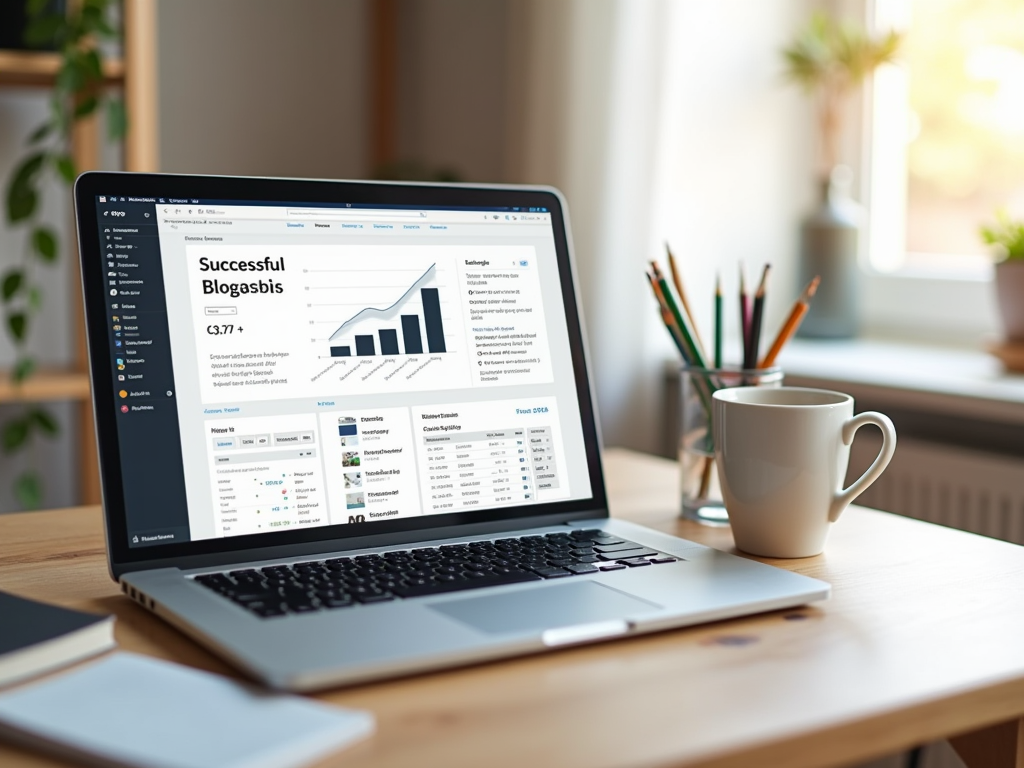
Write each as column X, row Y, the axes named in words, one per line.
column 346, row 430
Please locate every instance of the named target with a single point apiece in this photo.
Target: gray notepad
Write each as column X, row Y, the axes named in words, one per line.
column 130, row 710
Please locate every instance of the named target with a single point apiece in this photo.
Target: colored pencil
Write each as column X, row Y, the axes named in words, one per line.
column 718, row 321
column 677, row 280
column 756, row 319
column 696, row 358
column 666, row 318
column 796, row 316
column 744, row 313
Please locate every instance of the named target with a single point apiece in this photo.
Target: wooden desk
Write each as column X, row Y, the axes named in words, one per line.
column 923, row 639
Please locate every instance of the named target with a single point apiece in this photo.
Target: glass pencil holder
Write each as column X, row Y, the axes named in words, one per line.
column 701, row 492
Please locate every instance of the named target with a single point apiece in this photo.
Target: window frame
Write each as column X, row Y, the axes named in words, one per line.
column 907, row 300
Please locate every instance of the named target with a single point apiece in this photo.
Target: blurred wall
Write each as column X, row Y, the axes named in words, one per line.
column 453, row 71
column 263, row 87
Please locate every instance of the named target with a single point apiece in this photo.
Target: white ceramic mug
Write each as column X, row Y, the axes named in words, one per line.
column 782, row 455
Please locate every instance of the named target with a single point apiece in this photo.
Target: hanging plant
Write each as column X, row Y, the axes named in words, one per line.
column 76, row 94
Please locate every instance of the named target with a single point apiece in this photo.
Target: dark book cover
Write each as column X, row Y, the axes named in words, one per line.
column 36, row 637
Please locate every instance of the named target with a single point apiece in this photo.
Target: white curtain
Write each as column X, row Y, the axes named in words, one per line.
column 661, row 120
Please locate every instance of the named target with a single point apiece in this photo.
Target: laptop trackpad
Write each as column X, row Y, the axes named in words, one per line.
column 556, row 606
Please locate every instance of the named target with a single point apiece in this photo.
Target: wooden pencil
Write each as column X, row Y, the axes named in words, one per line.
column 756, row 319
column 744, row 312
column 677, row 280
column 696, row 358
column 796, row 316
column 666, row 318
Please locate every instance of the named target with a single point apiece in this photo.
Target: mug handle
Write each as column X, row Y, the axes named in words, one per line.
column 843, row 498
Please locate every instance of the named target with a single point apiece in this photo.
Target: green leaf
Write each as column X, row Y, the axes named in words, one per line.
column 12, row 283
column 86, row 107
column 91, row 64
column 28, row 490
column 72, row 76
column 44, row 421
column 23, row 369
column 22, row 196
column 40, row 133
column 92, row 17
column 44, row 241
column 117, row 119
column 17, row 322
column 15, row 434
column 66, row 167
column 35, row 298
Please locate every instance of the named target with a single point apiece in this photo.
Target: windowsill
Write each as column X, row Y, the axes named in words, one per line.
column 955, row 380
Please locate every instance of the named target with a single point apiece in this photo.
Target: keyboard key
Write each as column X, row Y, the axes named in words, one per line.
column 663, row 559
column 552, row 573
column 442, row 587
column 375, row 598
column 267, row 611
column 339, row 602
column 582, row 568
column 621, row 545
column 612, row 567
column 635, row 562
column 253, row 597
column 626, row 554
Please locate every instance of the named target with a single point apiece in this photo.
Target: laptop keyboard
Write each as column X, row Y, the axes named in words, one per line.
column 342, row 582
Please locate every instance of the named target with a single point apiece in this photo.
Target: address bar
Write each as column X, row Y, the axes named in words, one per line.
column 359, row 213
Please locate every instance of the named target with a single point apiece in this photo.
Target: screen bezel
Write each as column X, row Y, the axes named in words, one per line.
column 263, row 190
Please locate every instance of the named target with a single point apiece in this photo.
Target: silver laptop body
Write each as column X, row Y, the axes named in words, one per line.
column 328, row 412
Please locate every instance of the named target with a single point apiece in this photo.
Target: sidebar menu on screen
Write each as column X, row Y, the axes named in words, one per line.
column 143, row 378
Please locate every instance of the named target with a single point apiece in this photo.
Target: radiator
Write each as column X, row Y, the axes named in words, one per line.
column 965, row 489
column 960, row 488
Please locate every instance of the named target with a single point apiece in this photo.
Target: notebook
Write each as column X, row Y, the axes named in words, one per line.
column 131, row 710
column 37, row 638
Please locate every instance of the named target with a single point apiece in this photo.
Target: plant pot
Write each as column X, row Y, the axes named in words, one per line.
column 1010, row 295
column 828, row 248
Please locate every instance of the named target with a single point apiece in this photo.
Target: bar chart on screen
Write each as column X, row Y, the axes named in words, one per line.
column 416, row 315
column 391, row 321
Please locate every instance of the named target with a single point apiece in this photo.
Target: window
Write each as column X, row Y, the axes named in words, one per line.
column 947, row 134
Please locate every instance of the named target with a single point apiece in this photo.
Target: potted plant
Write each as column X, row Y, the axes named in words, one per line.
column 1007, row 235
column 831, row 60
column 76, row 94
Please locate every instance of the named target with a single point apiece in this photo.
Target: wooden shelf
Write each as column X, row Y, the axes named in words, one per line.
column 45, row 386
column 39, row 69
column 136, row 74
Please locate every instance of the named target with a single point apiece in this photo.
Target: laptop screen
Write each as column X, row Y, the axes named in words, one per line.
column 279, row 366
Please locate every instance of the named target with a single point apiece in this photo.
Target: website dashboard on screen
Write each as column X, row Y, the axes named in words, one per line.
column 321, row 365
